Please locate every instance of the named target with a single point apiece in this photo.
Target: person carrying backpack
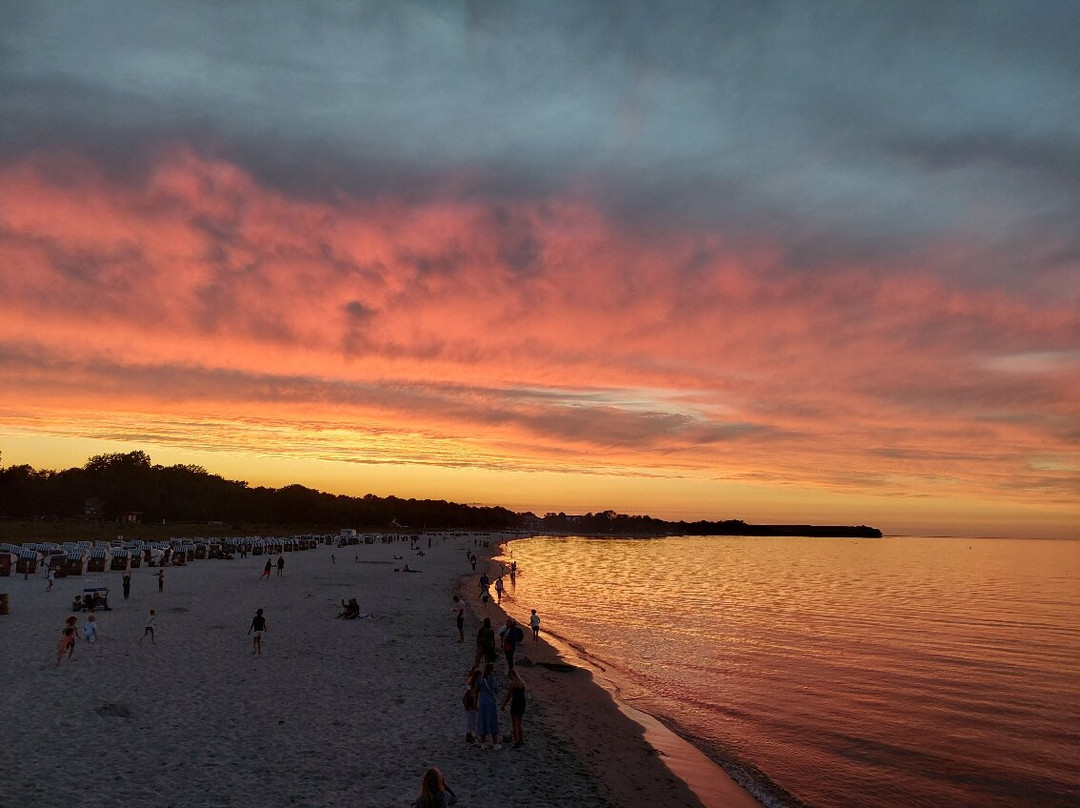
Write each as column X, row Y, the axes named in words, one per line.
column 511, row 635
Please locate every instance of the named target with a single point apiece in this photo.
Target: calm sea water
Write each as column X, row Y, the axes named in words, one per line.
column 894, row 672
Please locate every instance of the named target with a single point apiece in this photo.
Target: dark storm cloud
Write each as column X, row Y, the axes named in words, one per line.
column 867, row 127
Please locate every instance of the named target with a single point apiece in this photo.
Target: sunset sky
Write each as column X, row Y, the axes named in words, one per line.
column 777, row 261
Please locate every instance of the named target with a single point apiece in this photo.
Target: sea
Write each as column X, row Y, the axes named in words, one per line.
column 831, row 673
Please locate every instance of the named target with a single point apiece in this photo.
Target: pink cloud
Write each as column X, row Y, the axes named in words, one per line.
column 528, row 332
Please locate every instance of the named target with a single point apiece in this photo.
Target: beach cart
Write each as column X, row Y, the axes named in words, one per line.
column 96, row 597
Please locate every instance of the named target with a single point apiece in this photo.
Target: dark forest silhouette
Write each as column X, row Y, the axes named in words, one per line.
column 125, row 487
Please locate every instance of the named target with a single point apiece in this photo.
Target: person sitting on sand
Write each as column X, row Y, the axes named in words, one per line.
column 350, row 610
column 434, row 792
column 77, row 604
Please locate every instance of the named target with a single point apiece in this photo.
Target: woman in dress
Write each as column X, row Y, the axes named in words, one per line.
column 487, row 711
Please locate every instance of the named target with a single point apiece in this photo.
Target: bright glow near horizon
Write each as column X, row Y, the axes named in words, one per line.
column 654, row 278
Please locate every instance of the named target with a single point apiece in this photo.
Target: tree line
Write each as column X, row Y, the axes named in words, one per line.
column 116, row 487
column 129, row 487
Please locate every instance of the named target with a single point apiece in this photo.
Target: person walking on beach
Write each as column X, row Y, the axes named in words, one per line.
column 459, row 607
column 498, row 589
column 280, row 565
column 487, row 713
column 266, row 570
column 52, row 579
column 66, row 645
column 258, row 625
column 485, row 643
column 515, row 697
column 534, row 624
column 434, row 792
column 127, row 585
column 511, row 636
column 148, row 629
column 161, row 580
column 485, row 582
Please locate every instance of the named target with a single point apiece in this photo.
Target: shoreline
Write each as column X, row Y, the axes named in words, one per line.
column 706, row 780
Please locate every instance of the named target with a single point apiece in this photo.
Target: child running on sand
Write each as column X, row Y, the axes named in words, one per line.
column 468, row 703
column 266, row 570
column 90, row 629
column 148, row 630
column 67, row 643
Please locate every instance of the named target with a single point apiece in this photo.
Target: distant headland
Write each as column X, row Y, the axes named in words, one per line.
column 128, row 490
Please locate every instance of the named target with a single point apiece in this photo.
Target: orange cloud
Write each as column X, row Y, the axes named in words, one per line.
column 199, row 305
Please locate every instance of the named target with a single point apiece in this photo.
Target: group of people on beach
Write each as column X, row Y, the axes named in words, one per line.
column 482, row 689
column 90, row 633
column 94, row 601
column 268, row 567
column 70, row 634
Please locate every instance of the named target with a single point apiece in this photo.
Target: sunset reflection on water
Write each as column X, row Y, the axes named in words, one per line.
column 913, row 671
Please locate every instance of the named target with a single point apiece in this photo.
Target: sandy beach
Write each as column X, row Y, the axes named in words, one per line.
column 332, row 713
